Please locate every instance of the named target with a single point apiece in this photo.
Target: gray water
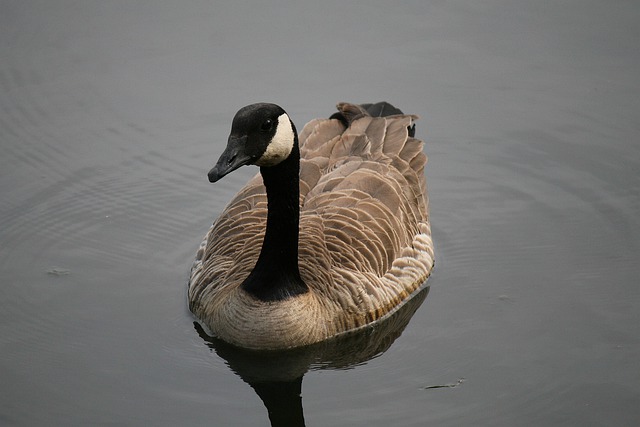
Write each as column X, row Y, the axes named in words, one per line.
column 111, row 114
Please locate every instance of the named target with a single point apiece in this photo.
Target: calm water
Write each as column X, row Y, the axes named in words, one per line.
column 111, row 113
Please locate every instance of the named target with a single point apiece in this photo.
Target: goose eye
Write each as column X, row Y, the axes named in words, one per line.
column 266, row 125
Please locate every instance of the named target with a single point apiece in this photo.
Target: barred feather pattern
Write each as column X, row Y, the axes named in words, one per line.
column 364, row 246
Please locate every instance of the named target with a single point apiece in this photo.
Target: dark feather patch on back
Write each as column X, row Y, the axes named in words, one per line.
column 347, row 113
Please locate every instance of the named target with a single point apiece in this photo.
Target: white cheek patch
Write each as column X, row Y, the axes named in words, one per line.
column 281, row 144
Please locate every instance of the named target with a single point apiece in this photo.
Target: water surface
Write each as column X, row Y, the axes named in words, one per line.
column 111, row 113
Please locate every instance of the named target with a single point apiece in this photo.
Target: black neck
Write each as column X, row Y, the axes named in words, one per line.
column 276, row 275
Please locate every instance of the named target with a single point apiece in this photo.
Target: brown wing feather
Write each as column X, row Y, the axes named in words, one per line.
column 370, row 200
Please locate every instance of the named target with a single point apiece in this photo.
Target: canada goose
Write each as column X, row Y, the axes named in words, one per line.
column 331, row 235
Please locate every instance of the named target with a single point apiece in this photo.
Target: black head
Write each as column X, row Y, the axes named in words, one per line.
column 261, row 134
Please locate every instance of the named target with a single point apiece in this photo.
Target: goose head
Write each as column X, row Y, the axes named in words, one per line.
column 261, row 134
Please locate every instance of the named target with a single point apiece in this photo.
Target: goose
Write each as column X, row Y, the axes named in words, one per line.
column 332, row 235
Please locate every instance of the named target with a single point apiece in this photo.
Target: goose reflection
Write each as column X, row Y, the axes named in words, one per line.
column 276, row 376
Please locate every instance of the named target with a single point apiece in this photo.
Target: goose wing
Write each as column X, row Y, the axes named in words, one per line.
column 364, row 213
column 232, row 245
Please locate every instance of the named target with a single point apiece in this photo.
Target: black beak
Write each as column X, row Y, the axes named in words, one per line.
column 231, row 159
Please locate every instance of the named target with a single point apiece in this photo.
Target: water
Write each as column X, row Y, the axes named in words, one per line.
column 112, row 113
